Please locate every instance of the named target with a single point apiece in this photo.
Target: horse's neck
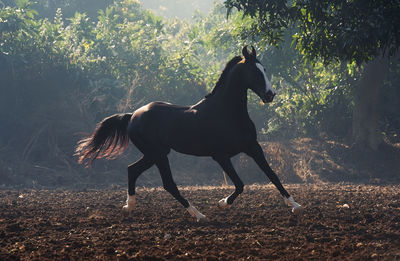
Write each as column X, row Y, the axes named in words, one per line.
column 231, row 97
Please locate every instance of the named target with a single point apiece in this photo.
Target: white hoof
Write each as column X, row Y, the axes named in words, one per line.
column 298, row 210
column 126, row 210
column 195, row 213
column 296, row 207
column 130, row 205
column 223, row 203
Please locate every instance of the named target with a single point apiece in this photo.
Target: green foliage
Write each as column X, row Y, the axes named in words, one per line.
column 182, row 9
column 314, row 99
column 62, row 75
column 332, row 30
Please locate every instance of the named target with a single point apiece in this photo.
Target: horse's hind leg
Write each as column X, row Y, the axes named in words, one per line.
column 134, row 172
column 257, row 154
column 227, row 166
column 170, row 186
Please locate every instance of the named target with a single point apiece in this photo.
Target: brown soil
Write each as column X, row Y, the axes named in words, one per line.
column 352, row 222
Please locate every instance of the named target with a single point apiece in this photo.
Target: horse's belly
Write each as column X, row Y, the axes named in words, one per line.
column 206, row 146
column 193, row 150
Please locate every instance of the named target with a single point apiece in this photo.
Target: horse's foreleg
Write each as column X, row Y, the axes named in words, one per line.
column 170, row 186
column 134, row 172
column 227, row 166
column 257, row 154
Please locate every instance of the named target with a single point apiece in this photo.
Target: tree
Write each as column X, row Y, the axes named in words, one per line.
column 361, row 32
column 83, row 69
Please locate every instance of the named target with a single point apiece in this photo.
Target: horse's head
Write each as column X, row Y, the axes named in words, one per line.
column 256, row 76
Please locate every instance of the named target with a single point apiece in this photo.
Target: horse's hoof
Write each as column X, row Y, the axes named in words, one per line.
column 202, row 218
column 130, row 205
column 195, row 213
column 296, row 207
column 298, row 210
column 126, row 211
column 223, row 203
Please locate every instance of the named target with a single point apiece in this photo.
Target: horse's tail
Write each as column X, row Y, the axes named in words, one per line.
column 109, row 139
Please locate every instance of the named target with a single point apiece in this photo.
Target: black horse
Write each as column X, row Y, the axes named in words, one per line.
column 218, row 126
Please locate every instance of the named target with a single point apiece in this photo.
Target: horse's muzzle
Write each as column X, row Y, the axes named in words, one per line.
column 268, row 96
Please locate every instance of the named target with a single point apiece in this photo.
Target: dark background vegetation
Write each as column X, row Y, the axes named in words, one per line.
column 67, row 64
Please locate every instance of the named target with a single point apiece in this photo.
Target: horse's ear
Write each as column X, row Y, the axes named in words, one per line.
column 253, row 52
column 246, row 53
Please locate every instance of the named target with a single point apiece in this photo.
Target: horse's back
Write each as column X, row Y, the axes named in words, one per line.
column 157, row 121
column 157, row 109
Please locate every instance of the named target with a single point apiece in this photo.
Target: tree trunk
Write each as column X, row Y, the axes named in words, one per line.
column 366, row 114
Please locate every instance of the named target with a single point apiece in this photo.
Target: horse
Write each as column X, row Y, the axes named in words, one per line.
column 218, row 126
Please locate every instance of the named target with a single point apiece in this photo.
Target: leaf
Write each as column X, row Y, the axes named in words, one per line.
column 22, row 4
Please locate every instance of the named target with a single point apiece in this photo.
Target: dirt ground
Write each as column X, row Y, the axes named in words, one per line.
column 352, row 222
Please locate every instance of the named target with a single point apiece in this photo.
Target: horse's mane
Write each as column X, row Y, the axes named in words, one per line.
column 224, row 74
